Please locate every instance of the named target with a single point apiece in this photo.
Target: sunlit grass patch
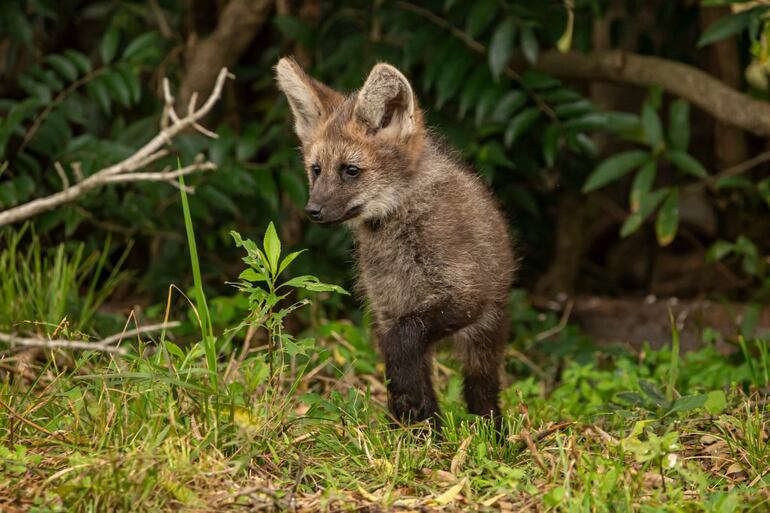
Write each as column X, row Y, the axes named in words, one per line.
column 296, row 423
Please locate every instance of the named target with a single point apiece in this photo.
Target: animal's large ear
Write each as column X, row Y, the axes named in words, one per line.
column 386, row 103
column 310, row 100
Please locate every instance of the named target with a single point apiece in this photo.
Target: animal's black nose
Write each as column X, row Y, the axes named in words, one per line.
column 313, row 210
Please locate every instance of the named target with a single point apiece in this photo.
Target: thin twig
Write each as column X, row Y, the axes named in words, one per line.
column 125, row 170
column 106, row 345
column 732, row 171
column 162, row 176
column 38, row 122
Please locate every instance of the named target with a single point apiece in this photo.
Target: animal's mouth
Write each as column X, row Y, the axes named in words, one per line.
column 352, row 212
column 346, row 216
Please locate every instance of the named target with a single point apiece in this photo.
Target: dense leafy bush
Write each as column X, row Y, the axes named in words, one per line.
column 77, row 103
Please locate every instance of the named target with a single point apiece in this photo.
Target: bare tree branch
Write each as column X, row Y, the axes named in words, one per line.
column 125, row 170
column 698, row 87
column 106, row 345
column 162, row 176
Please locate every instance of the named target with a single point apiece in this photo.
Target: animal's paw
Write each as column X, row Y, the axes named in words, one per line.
column 409, row 408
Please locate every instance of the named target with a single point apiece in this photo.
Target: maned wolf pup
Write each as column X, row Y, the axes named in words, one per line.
column 433, row 250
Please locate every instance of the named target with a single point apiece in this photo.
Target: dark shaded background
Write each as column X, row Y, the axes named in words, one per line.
column 534, row 134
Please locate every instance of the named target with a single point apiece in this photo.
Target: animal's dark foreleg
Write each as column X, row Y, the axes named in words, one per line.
column 411, row 397
column 405, row 347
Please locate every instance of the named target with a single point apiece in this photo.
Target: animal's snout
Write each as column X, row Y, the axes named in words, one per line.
column 313, row 211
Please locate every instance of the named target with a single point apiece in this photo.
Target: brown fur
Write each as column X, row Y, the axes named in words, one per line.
column 433, row 250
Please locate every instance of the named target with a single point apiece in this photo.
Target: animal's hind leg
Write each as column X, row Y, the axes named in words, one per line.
column 481, row 348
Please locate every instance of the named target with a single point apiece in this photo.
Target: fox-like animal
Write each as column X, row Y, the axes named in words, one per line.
column 433, row 250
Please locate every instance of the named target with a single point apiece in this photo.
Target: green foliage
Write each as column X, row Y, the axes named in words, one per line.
column 92, row 102
column 54, row 290
column 267, row 296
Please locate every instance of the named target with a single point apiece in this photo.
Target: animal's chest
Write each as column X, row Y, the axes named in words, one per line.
column 397, row 269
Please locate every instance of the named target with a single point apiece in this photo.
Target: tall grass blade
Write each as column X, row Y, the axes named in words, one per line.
column 207, row 330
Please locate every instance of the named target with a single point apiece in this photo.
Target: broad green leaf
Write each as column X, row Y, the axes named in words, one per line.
column 642, row 184
column 577, row 108
column 146, row 41
column 501, row 46
column 452, row 78
column 488, row 100
column 653, row 392
column 728, row 26
column 614, row 168
column 653, row 131
column 117, row 87
column 520, row 124
column 472, row 89
column 272, row 245
column 97, row 89
column 747, row 248
column 688, row 403
column 581, row 143
column 79, row 60
column 716, row 402
column 655, row 97
column 668, row 219
column 325, row 287
column 648, row 203
column 63, row 67
column 734, row 182
column 622, row 123
column 686, row 163
column 719, row 250
column 109, row 45
column 510, row 103
column 482, row 14
column 539, row 81
column 494, row 154
column 529, row 45
column 289, row 259
column 313, row 284
column 252, row 276
column 550, row 144
column 589, row 122
column 34, row 88
column 131, row 79
column 679, row 125
column 631, row 397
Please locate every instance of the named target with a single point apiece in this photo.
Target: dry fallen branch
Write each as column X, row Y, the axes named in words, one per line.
column 107, row 345
column 126, row 170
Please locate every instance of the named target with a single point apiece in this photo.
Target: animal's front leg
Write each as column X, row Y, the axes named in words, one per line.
column 411, row 397
column 405, row 346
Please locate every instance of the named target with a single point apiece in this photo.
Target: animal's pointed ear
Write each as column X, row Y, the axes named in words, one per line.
column 386, row 103
column 310, row 100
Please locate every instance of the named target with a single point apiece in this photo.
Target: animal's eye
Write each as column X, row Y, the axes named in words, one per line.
column 316, row 169
column 351, row 171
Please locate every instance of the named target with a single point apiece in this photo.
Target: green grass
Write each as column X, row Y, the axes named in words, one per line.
column 299, row 424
